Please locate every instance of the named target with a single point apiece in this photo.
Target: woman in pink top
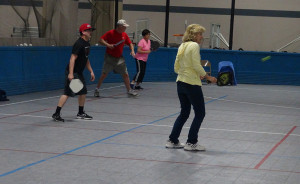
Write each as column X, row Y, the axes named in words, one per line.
column 141, row 58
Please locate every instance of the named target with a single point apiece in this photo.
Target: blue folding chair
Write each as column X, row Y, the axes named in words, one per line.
column 227, row 66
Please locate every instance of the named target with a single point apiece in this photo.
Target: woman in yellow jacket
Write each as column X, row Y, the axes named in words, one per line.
column 189, row 70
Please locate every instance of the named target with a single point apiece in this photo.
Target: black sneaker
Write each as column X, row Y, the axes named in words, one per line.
column 96, row 93
column 56, row 117
column 138, row 88
column 84, row 116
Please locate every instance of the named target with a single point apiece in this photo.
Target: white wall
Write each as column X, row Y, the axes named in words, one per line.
column 256, row 33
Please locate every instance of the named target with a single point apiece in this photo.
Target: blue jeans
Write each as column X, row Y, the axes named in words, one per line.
column 189, row 95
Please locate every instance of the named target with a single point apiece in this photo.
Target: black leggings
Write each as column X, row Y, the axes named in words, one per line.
column 140, row 69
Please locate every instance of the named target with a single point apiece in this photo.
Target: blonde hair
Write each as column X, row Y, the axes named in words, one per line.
column 191, row 31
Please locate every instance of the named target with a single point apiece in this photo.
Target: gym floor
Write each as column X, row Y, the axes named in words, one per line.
column 251, row 133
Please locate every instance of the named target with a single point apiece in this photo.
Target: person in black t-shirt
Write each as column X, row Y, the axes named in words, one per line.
column 78, row 61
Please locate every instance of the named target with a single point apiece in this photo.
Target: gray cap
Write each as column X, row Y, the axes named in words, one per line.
column 122, row 22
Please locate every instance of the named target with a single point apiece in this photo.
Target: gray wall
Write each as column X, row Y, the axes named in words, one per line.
column 68, row 15
column 260, row 25
column 60, row 31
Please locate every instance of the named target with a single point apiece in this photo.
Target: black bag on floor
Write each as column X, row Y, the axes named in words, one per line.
column 3, row 95
column 226, row 74
column 225, row 78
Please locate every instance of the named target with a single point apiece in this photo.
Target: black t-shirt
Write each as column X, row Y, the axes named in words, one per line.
column 82, row 49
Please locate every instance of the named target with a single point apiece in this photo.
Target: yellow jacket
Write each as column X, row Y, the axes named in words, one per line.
column 188, row 64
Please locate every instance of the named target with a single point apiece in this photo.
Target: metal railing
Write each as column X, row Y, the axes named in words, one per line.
column 156, row 38
column 293, row 41
column 32, row 32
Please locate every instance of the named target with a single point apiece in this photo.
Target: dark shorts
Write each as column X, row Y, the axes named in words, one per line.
column 68, row 91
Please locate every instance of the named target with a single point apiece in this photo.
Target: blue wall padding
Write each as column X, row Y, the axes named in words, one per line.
column 32, row 69
column 281, row 69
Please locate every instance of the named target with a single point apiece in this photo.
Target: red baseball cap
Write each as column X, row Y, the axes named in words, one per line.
column 84, row 27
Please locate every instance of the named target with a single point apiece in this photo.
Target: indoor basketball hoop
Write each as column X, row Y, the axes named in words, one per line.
column 178, row 38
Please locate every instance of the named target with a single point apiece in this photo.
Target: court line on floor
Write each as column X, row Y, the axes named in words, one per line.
column 259, row 104
column 185, row 127
column 240, row 87
column 95, row 142
column 22, row 114
column 206, row 152
column 152, row 160
column 161, row 147
column 78, row 148
column 169, row 126
column 257, row 89
column 274, row 148
column 133, row 132
column 46, row 98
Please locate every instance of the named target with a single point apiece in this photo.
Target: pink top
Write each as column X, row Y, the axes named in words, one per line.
column 145, row 45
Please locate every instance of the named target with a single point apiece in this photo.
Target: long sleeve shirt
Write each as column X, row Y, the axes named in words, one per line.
column 188, row 64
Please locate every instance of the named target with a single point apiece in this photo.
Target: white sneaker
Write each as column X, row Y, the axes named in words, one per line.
column 96, row 93
column 172, row 145
column 193, row 147
column 132, row 93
